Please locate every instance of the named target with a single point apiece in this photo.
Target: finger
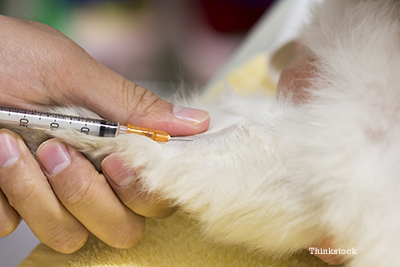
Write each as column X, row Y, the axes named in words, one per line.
column 122, row 179
column 136, row 105
column 29, row 193
column 113, row 97
column 87, row 195
column 9, row 218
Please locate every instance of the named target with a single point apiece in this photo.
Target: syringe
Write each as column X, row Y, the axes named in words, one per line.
column 90, row 126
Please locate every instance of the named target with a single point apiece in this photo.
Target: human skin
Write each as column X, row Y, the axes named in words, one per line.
column 60, row 195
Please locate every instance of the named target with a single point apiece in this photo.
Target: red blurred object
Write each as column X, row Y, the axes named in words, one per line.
column 233, row 16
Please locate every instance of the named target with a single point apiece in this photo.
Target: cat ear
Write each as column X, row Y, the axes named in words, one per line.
column 281, row 57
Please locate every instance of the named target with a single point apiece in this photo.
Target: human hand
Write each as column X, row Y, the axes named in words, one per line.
column 294, row 82
column 63, row 197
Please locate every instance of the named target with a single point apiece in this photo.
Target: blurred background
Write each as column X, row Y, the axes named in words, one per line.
column 156, row 43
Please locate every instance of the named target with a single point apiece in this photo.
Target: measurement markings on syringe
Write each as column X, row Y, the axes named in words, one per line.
column 53, row 121
column 23, row 122
column 54, row 125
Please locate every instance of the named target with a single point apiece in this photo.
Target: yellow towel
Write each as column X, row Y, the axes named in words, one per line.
column 172, row 242
column 177, row 241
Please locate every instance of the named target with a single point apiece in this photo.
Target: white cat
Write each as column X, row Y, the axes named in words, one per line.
column 278, row 175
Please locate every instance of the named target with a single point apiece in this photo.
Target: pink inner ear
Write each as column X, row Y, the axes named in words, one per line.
column 296, row 78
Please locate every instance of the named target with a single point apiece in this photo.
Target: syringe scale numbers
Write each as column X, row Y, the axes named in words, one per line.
column 53, row 121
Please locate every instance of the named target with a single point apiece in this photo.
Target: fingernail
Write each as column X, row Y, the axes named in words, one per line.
column 191, row 115
column 116, row 171
column 54, row 157
column 9, row 151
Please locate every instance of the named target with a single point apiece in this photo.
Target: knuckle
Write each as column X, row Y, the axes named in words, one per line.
column 150, row 205
column 157, row 211
column 150, row 101
column 77, row 191
column 148, row 208
column 66, row 240
column 144, row 101
column 7, row 227
column 126, row 237
column 22, row 191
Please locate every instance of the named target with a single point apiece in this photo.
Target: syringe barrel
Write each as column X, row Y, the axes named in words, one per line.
column 109, row 128
column 54, row 121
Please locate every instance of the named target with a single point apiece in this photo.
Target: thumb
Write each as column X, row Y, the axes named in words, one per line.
column 115, row 98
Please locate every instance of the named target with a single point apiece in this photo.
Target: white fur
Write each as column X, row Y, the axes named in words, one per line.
column 278, row 176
